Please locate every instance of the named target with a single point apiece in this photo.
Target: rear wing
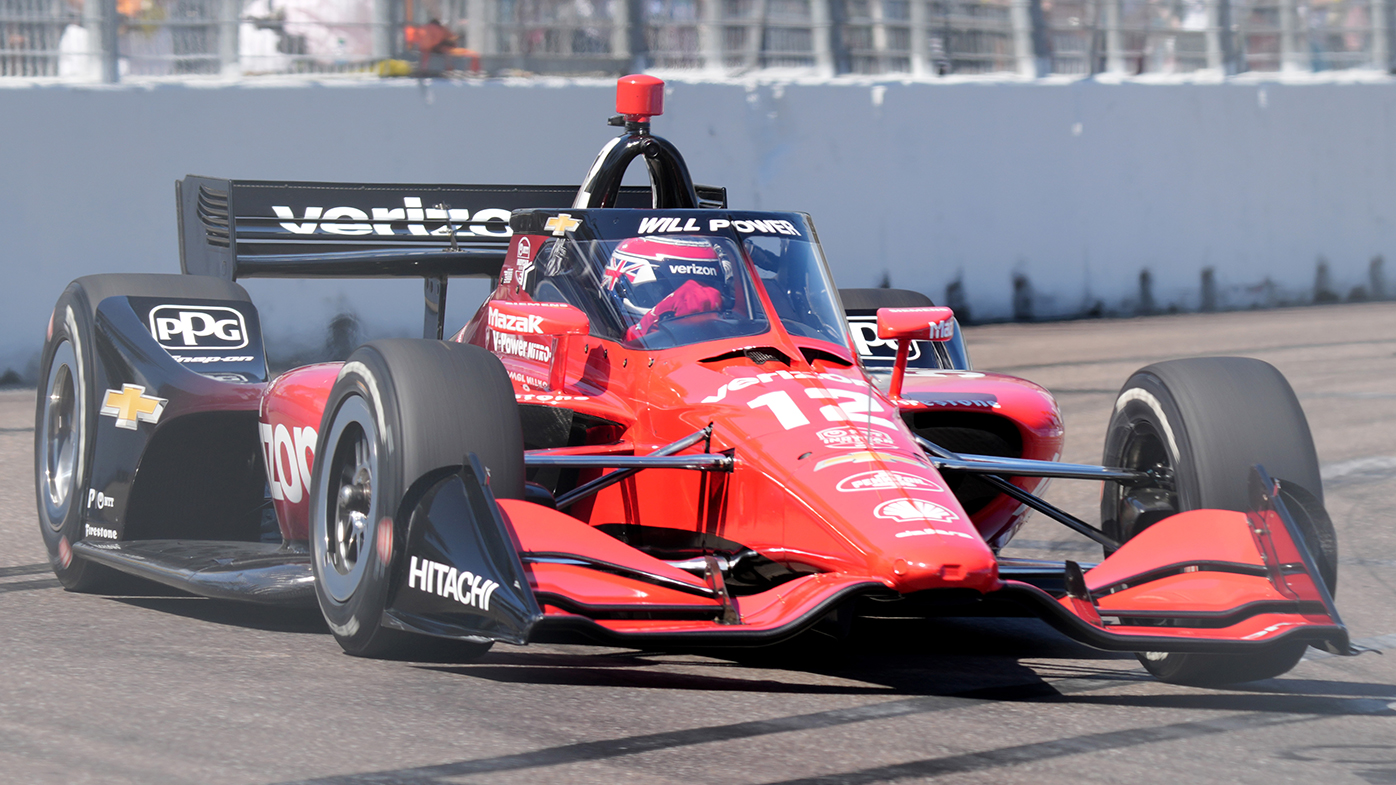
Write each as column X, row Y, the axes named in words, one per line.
column 234, row 229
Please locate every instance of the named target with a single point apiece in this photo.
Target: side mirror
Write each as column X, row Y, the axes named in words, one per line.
column 537, row 332
column 912, row 324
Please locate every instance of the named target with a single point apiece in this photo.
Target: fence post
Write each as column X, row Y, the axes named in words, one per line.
column 99, row 19
column 830, row 54
column 1114, row 39
column 639, row 36
column 710, row 35
column 479, row 27
column 228, row 13
column 620, row 32
column 918, row 37
column 383, row 29
column 1294, row 56
column 755, row 35
column 1025, row 52
column 1217, row 35
column 1381, row 31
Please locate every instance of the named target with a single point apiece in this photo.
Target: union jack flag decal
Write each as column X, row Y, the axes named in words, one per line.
column 635, row 269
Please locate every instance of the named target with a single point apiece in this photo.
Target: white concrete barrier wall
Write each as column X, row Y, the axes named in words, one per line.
column 1075, row 186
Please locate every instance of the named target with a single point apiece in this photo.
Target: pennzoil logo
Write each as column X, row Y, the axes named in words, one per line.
column 130, row 406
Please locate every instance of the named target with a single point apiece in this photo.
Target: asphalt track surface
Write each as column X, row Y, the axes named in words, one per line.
column 172, row 689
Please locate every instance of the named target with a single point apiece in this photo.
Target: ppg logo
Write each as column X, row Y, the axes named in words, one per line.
column 198, row 327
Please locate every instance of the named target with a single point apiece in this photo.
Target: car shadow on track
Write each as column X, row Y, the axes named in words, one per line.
column 903, row 659
column 269, row 618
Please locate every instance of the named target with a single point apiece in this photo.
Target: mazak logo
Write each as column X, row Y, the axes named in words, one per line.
column 845, row 438
column 516, row 323
column 907, row 510
column 198, row 327
column 883, row 480
column 446, row 581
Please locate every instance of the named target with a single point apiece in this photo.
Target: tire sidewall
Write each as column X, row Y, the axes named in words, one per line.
column 71, row 325
column 357, row 620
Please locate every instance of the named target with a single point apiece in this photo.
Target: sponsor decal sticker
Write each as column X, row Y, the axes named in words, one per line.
column 560, row 225
column 96, row 500
column 526, row 380
column 866, row 456
column 353, row 221
column 906, row 510
column 525, row 250
column 130, row 405
column 443, row 580
column 530, row 397
column 519, row 346
column 942, row 532
column 635, row 269
column 198, row 327
column 883, row 480
column 289, row 454
column 88, row 530
column 850, row 438
column 213, row 358
column 516, row 323
column 968, row 401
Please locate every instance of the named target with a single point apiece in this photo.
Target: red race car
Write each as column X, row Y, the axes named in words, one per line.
column 665, row 425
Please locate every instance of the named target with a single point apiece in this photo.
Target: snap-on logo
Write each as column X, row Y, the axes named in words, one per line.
column 516, row 323
column 198, row 327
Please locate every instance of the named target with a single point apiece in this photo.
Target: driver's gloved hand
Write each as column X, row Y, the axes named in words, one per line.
column 689, row 299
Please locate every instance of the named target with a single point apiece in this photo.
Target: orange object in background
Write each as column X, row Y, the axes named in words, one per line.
column 435, row 38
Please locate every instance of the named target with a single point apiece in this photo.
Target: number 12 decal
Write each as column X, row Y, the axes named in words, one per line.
column 847, row 406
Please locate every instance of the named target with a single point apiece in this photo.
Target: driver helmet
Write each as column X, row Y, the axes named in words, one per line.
column 643, row 271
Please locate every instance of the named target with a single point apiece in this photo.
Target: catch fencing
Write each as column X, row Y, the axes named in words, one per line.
column 108, row 40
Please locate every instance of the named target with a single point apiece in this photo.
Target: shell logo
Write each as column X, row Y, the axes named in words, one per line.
column 907, row 510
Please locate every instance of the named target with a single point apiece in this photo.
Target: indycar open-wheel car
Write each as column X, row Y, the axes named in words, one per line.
column 664, row 425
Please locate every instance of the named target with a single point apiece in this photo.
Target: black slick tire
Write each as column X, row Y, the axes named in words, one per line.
column 402, row 414
column 1203, row 423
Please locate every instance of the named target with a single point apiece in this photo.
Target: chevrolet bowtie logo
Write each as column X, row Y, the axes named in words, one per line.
column 562, row 224
column 130, row 404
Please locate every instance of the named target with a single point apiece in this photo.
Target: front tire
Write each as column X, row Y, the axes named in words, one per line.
column 402, row 414
column 1199, row 425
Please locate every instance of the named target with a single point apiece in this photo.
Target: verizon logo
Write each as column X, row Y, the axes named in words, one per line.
column 353, row 221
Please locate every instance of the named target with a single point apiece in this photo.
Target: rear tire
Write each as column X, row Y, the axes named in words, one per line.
column 402, row 414
column 1202, row 423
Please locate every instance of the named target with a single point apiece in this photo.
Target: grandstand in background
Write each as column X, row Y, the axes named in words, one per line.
column 113, row 40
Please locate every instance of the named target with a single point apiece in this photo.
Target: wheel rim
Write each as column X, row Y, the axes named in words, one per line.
column 1144, row 449
column 345, row 516
column 62, row 436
